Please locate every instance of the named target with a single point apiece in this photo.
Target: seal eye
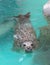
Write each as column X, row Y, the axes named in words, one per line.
column 31, row 44
column 24, row 45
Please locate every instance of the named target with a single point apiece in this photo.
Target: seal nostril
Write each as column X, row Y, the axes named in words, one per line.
column 28, row 48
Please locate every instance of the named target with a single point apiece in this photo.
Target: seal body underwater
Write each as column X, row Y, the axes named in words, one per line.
column 24, row 35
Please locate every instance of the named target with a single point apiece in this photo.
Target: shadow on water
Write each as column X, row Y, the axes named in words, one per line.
column 42, row 58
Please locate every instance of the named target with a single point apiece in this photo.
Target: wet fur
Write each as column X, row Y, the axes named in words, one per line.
column 24, row 29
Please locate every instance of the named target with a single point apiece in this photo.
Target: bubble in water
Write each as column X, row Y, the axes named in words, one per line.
column 24, row 55
column 21, row 59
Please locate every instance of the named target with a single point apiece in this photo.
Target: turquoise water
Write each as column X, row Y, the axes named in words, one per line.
column 8, row 9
